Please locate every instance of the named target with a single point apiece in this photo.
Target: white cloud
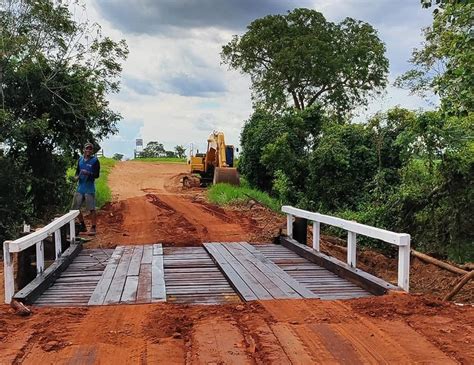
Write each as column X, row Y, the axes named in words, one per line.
column 174, row 88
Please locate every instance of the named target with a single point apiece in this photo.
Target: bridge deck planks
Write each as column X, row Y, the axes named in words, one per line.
column 322, row 282
column 214, row 274
column 254, row 276
column 86, row 271
column 192, row 277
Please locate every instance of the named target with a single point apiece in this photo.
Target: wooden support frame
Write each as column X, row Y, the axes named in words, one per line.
column 43, row 281
column 351, row 249
column 36, row 238
column 365, row 280
column 402, row 240
column 316, row 235
column 39, row 257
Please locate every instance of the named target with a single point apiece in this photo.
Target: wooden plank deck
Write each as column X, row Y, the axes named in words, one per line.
column 322, row 282
column 192, row 277
column 76, row 284
column 217, row 273
column 134, row 275
column 254, row 276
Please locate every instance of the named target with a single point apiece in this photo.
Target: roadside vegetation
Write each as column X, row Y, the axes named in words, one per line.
column 103, row 194
column 403, row 170
column 50, row 107
column 225, row 194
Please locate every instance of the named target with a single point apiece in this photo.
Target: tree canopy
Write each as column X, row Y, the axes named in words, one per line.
column 180, row 151
column 56, row 70
column 445, row 63
column 303, row 58
column 153, row 149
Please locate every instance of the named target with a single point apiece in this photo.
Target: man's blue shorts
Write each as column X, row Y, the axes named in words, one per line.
column 79, row 199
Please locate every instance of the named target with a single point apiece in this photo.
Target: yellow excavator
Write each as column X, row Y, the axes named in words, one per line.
column 216, row 165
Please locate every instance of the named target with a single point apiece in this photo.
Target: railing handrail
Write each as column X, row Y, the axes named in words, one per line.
column 402, row 240
column 29, row 240
column 398, row 239
column 36, row 238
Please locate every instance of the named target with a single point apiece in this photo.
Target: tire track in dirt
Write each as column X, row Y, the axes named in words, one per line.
column 346, row 337
column 218, row 341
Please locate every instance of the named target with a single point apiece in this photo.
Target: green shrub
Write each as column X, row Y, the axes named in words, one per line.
column 224, row 194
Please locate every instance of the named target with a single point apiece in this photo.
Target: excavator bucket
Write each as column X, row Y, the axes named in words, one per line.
column 227, row 175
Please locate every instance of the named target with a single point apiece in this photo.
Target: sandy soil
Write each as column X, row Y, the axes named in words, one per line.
column 397, row 329
column 150, row 207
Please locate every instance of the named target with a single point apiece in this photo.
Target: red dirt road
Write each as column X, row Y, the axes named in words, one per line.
column 397, row 329
column 149, row 207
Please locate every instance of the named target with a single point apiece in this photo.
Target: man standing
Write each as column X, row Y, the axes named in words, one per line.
column 87, row 170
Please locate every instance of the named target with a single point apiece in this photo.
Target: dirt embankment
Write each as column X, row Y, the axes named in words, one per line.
column 393, row 329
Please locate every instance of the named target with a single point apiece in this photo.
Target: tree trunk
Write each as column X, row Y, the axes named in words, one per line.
column 295, row 100
column 443, row 265
column 459, row 285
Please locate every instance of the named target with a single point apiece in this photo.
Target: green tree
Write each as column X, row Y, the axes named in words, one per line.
column 55, row 75
column 275, row 150
column 445, row 65
column 342, row 167
column 117, row 156
column 180, row 151
column 153, row 149
column 302, row 57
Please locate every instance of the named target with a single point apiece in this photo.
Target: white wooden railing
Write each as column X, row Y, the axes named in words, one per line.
column 402, row 240
column 36, row 238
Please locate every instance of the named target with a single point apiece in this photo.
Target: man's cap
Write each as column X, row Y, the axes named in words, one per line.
column 88, row 144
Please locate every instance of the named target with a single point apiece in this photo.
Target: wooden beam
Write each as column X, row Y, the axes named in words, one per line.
column 365, row 280
column 8, row 272
column 100, row 291
column 24, row 242
column 240, row 286
column 158, row 288
column 42, row 282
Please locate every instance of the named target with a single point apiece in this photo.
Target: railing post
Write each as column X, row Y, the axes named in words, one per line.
column 72, row 232
column 316, row 234
column 57, row 243
column 8, row 273
column 404, row 265
column 39, row 258
column 289, row 225
column 351, row 249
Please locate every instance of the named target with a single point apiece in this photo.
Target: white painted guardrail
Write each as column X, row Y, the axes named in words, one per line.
column 402, row 240
column 36, row 238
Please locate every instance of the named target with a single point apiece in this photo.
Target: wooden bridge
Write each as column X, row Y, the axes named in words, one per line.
column 214, row 273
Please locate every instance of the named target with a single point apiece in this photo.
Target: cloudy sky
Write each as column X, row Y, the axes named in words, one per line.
column 174, row 88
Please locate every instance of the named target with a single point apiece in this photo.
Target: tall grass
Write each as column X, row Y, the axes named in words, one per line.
column 103, row 194
column 225, row 194
column 161, row 159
